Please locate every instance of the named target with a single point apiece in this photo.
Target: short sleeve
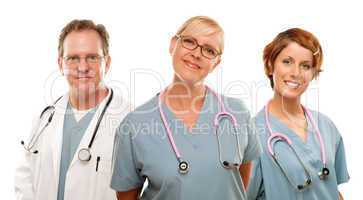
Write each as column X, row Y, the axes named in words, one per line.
column 126, row 173
column 341, row 164
column 256, row 188
column 253, row 149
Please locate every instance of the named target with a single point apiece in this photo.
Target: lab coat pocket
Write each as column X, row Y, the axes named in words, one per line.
column 103, row 179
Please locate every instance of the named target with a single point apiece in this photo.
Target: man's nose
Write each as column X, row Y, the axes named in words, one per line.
column 83, row 64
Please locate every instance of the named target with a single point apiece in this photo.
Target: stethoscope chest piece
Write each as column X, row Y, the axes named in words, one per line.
column 183, row 167
column 84, row 154
column 324, row 173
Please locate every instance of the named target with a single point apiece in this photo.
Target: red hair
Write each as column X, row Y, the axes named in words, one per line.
column 283, row 39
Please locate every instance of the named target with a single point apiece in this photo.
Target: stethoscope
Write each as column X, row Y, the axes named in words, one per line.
column 84, row 154
column 183, row 166
column 276, row 136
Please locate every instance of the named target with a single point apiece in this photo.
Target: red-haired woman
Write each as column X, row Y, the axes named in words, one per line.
column 303, row 150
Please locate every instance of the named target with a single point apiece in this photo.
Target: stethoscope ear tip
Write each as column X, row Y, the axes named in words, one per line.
column 324, row 173
column 306, row 184
column 183, row 167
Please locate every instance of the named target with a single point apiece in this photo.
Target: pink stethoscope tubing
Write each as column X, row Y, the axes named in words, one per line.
column 183, row 165
column 287, row 139
column 276, row 135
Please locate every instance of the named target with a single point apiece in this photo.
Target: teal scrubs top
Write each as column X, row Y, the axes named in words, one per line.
column 143, row 151
column 73, row 132
column 269, row 183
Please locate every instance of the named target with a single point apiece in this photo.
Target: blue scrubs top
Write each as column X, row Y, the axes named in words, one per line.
column 73, row 132
column 268, row 181
column 143, row 151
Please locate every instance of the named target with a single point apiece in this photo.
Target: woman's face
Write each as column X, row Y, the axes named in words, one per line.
column 293, row 71
column 192, row 66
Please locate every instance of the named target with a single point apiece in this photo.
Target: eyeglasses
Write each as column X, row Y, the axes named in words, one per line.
column 191, row 43
column 90, row 59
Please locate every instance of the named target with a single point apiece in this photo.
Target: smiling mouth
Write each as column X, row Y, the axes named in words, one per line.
column 192, row 65
column 292, row 84
column 84, row 78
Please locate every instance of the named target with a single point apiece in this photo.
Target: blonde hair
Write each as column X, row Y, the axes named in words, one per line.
column 203, row 25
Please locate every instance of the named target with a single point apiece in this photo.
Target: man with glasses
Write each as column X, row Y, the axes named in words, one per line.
column 69, row 153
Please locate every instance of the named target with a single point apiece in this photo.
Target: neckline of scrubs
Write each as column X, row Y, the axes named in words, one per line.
column 70, row 111
column 291, row 133
column 180, row 125
column 310, row 148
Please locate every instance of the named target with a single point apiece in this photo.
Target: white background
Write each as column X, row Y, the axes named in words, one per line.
column 140, row 33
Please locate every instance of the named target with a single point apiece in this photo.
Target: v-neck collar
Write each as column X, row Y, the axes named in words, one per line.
column 85, row 119
column 291, row 133
column 310, row 149
column 178, row 125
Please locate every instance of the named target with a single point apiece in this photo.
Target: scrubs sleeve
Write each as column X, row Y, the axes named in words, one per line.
column 253, row 149
column 341, row 164
column 126, row 170
column 256, row 190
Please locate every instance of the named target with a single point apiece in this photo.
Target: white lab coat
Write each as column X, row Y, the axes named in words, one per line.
column 37, row 175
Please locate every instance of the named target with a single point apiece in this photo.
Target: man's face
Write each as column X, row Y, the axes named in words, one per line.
column 83, row 62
